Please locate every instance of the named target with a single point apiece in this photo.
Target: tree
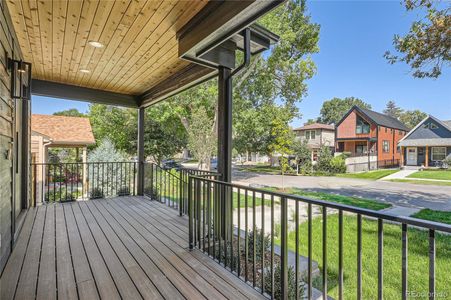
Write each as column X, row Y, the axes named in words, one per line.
column 333, row 110
column 310, row 121
column 115, row 124
column 426, row 48
column 411, row 118
column 303, row 157
column 392, row 110
column 72, row 112
column 201, row 139
column 282, row 141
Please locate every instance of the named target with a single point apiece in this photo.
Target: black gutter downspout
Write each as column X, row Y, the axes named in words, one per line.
column 140, row 146
column 225, row 76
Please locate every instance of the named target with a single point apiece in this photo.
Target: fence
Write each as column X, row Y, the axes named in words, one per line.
column 170, row 186
column 270, row 240
column 72, row 181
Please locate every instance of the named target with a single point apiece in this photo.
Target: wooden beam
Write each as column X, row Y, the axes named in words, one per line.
column 186, row 78
column 217, row 22
column 72, row 92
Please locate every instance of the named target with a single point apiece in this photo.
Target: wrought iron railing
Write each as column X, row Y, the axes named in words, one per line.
column 170, row 186
column 58, row 182
column 275, row 241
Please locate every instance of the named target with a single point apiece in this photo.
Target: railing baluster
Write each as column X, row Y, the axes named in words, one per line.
column 404, row 261
column 246, row 238
column 431, row 264
column 324, row 252
column 310, row 281
column 263, row 249
column 340, row 254
column 209, row 215
column 190, row 213
column 239, row 231
column 254, row 241
column 232, row 234
column 380, row 258
column 359, row 256
column 284, row 248
column 272, row 246
column 296, row 228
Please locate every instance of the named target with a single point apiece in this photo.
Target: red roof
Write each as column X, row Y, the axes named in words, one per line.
column 63, row 130
column 316, row 126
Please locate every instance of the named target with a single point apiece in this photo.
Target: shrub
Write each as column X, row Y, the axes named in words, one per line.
column 260, row 239
column 96, row 193
column 338, row 165
column 123, row 191
column 61, row 195
column 278, row 283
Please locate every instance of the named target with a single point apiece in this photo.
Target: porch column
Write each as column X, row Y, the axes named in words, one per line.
column 84, row 160
column 426, row 161
column 140, row 146
column 401, row 162
column 225, row 124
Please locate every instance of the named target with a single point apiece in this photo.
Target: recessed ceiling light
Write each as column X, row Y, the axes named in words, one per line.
column 95, row 44
column 85, row 71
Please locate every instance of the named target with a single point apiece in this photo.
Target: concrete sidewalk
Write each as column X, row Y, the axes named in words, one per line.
column 399, row 175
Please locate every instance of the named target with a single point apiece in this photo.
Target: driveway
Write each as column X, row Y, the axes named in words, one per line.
column 397, row 193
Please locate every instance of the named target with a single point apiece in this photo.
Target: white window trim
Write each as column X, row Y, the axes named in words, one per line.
column 432, row 153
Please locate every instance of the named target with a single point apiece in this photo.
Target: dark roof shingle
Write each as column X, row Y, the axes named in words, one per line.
column 384, row 120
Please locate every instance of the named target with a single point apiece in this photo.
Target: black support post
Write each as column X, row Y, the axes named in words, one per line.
column 140, row 146
column 225, row 124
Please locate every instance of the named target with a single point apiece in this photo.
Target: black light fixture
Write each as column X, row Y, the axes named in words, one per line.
column 20, row 79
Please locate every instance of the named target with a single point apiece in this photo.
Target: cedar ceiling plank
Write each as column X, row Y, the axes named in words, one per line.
column 142, row 68
column 139, row 47
column 105, row 22
column 45, row 13
column 59, row 26
column 88, row 12
column 72, row 20
column 126, row 38
column 31, row 9
column 110, row 56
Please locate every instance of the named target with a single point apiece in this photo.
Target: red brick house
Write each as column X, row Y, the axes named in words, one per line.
column 369, row 137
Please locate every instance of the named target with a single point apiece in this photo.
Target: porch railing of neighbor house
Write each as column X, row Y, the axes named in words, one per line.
column 266, row 238
column 170, row 186
column 55, row 182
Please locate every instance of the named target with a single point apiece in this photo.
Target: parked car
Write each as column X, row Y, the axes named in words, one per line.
column 170, row 164
column 214, row 164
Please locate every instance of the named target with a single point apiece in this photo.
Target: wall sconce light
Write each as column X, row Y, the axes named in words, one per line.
column 20, row 79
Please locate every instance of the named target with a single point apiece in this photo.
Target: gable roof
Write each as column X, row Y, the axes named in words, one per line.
column 63, row 130
column 446, row 124
column 316, row 126
column 377, row 118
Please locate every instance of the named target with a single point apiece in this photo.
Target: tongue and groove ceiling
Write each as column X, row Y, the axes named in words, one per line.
column 139, row 41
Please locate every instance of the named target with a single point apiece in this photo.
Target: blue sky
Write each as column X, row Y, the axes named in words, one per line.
column 354, row 36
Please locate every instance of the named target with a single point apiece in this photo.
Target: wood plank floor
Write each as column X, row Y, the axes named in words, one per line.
column 120, row 248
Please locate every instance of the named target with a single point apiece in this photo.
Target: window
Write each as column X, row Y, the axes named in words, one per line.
column 433, row 126
column 360, row 149
column 438, row 153
column 310, row 134
column 362, row 126
column 398, row 149
column 386, row 146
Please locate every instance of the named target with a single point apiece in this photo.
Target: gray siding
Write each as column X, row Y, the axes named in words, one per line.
column 428, row 133
column 8, row 152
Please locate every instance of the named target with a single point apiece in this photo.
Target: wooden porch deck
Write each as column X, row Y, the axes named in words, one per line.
column 125, row 247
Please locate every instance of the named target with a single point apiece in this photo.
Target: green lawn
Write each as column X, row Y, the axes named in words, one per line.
column 434, row 215
column 352, row 201
column 258, row 200
column 371, row 175
column 417, row 258
column 424, row 182
column 432, row 174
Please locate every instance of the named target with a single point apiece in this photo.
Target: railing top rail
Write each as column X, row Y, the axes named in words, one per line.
column 370, row 213
column 78, row 163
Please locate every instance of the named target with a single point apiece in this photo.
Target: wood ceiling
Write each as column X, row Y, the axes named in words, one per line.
column 139, row 38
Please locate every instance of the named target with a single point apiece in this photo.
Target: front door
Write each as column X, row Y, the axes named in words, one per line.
column 412, row 156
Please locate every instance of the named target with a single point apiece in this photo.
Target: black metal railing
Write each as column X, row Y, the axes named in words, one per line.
column 58, row 182
column 290, row 247
column 170, row 186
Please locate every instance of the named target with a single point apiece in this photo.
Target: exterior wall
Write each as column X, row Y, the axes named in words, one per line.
column 393, row 136
column 421, row 155
column 322, row 137
column 11, row 164
column 429, row 133
column 346, row 129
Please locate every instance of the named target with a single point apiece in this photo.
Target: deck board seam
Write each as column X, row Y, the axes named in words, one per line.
column 40, row 252
column 169, row 248
column 70, row 252
column 140, row 246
